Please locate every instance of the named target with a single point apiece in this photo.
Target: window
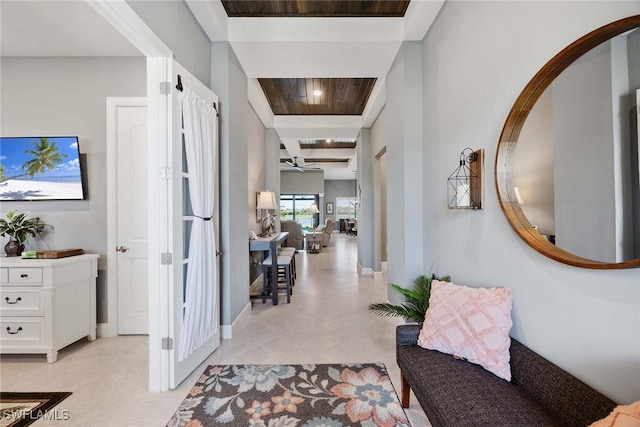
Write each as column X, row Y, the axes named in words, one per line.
column 346, row 208
column 296, row 207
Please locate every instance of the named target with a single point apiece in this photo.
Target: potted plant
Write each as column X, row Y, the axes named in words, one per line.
column 19, row 228
column 416, row 300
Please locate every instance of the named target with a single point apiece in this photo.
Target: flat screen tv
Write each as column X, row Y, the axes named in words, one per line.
column 40, row 168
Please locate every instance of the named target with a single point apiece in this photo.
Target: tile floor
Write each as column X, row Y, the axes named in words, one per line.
column 326, row 322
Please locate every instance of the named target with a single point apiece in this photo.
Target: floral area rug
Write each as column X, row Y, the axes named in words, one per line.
column 290, row 396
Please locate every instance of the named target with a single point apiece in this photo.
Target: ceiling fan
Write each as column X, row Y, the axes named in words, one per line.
column 299, row 167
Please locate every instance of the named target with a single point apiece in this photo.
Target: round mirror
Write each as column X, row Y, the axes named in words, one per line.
column 567, row 164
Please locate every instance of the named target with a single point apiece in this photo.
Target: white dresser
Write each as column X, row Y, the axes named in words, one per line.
column 46, row 304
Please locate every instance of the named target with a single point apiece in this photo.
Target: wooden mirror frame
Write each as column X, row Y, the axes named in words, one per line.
column 511, row 132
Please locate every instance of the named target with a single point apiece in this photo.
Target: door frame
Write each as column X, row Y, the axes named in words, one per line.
column 110, row 329
column 124, row 19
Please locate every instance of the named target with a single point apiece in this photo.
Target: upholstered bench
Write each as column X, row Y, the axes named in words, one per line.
column 454, row 392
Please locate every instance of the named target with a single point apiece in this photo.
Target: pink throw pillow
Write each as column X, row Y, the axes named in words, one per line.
column 621, row 416
column 471, row 323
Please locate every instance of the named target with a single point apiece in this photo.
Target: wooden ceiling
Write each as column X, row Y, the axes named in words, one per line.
column 315, row 8
column 340, row 96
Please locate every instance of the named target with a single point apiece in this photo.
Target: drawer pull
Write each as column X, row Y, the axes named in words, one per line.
column 13, row 333
column 8, row 301
column 24, row 275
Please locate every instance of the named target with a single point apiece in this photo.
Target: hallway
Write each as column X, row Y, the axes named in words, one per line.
column 327, row 321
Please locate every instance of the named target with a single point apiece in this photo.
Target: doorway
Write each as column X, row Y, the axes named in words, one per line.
column 127, row 201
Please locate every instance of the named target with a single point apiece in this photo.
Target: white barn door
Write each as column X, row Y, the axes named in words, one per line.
column 194, row 299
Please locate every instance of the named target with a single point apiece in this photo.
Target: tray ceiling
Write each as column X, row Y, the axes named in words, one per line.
column 316, row 96
column 315, row 8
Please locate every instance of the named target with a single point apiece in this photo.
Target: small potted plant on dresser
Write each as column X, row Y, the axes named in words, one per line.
column 19, row 227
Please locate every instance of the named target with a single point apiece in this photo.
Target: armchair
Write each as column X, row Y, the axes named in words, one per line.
column 296, row 236
column 329, row 225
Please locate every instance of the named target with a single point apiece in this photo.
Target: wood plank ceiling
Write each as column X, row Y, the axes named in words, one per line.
column 333, row 96
column 315, row 8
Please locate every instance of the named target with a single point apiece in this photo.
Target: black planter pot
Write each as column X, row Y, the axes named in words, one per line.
column 14, row 248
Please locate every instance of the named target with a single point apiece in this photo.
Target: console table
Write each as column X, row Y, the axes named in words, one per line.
column 271, row 243
column 47, row 304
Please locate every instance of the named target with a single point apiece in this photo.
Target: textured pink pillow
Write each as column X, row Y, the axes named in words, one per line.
column 471, row 323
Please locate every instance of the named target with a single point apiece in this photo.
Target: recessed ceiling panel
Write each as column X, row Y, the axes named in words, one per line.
column 317, row 96
column 315, row 8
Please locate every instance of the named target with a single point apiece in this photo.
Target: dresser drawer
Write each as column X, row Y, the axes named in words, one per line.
column 21, row 330
column 25, row 275
column 4, row 275
column 20, row 303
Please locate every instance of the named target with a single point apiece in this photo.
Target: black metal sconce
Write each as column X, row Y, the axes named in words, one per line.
column 465, row 189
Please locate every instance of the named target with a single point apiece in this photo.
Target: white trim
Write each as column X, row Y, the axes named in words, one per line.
column 110, row 329
column 158, row 116
column 384, row 266
column 227, row 330
column 379, row 274
column 123, row 18
column 364, row 271
column 126, row 21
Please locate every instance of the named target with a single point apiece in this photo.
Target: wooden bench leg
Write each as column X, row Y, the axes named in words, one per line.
column 405, row 390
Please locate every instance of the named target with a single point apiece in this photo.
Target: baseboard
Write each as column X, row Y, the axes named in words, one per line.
column 226, row 331
column 365, row 271
column 383, row 266
column 105, row 330
column 379, row 274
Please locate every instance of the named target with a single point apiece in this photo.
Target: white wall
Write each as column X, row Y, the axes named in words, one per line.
column 67, row 96
column 478, row 57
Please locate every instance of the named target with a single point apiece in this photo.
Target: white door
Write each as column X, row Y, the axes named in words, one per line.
column 181, row 219
column 131, row 219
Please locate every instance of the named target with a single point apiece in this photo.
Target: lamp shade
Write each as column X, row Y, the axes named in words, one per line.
column 267, row 200
column 314, row 209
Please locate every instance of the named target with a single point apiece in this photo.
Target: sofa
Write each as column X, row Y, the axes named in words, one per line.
column 454, row 392
column 296, row 236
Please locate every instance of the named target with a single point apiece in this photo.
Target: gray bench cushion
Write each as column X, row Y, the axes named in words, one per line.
column 455, row 392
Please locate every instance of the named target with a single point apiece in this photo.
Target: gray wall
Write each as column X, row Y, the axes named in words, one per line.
column 229, row 82
column 478, row 57
column 307, row 182
column 399, row 128
column 256, row 140
column 67, row 96
column 174, row 24
column 583, row 129
column 533, row 165
column 333, row 189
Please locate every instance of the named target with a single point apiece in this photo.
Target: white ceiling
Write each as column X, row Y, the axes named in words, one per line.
column 316, row 47
column 58, row 28
column 266, row 47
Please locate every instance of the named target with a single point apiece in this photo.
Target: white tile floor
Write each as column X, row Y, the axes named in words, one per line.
column 326, row 322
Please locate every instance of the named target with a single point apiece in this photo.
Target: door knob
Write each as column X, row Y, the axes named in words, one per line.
column 122, row 249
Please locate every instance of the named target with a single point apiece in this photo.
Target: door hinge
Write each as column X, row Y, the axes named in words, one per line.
column 167, row 343
column 166, row 258
column 165, row 88
column 165, row 173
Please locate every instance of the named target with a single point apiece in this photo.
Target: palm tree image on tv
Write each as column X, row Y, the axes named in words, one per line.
column 40, row 168
column 44, row 155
